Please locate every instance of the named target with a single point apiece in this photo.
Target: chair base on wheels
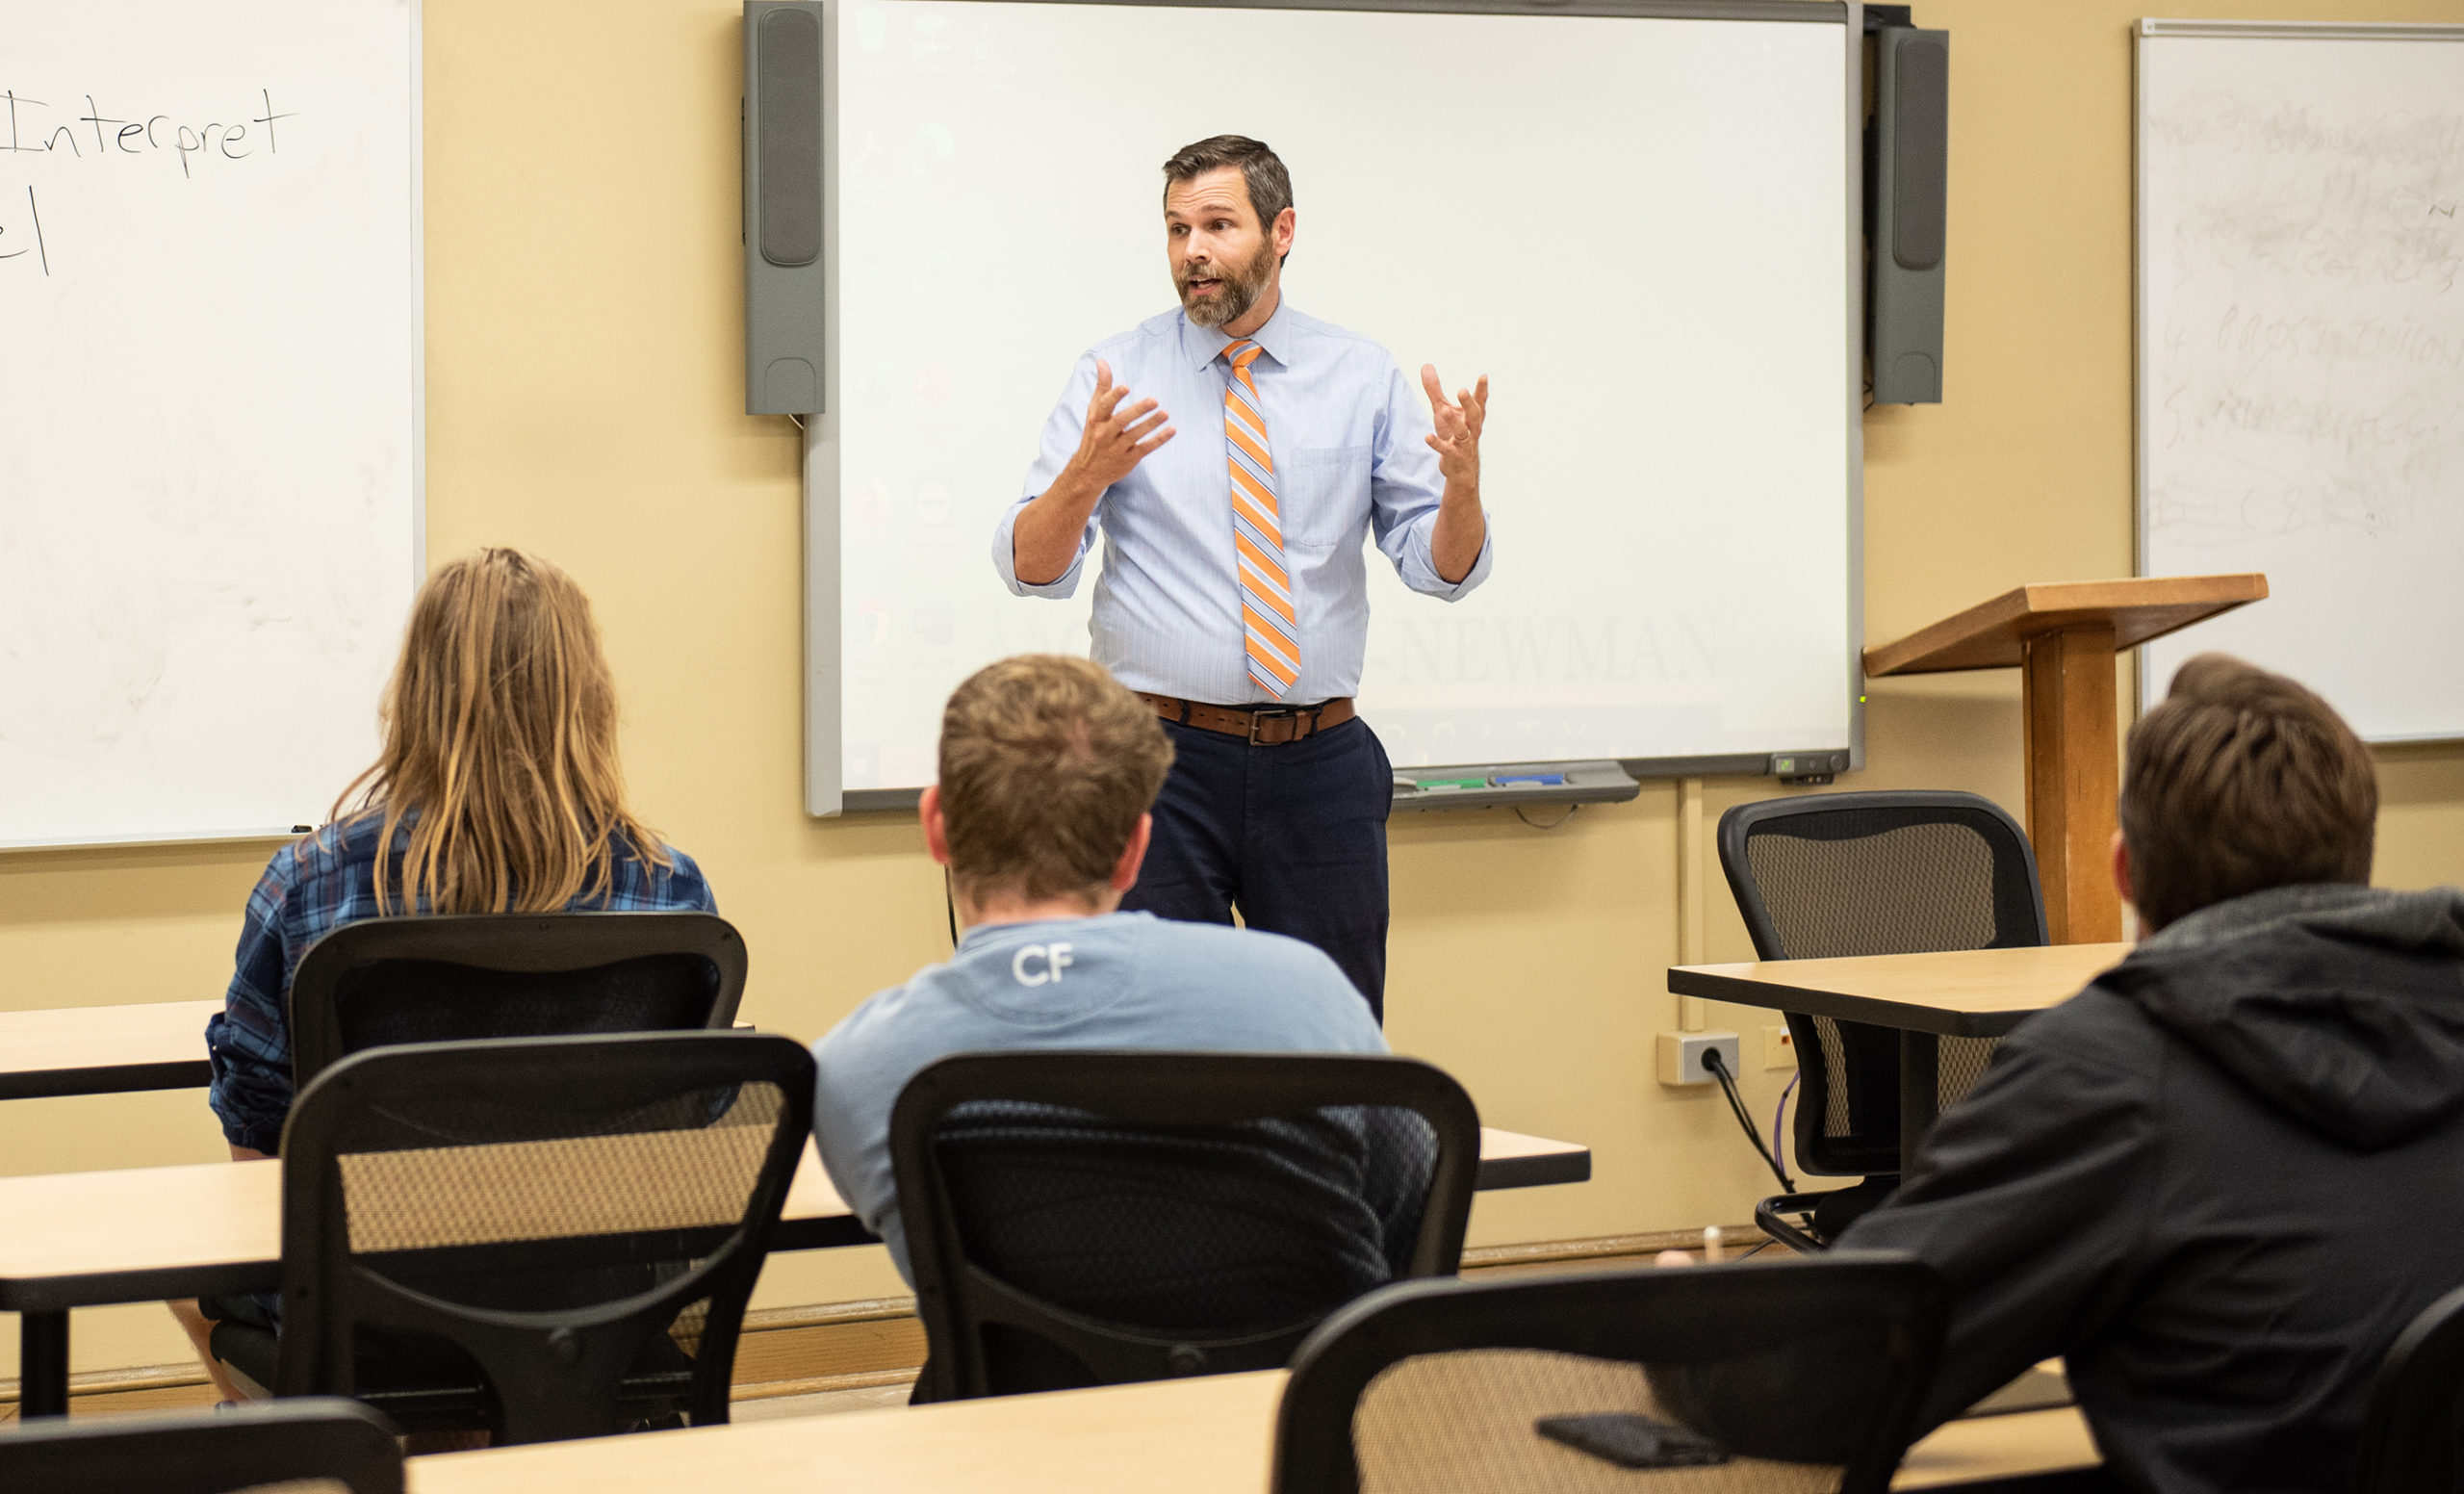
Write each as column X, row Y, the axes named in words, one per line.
column 1828, row 1215
column 433, row 1389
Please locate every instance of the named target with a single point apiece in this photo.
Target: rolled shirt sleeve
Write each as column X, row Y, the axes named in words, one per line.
column 1058, row 444
column 1348, row 438
column 1406, row 488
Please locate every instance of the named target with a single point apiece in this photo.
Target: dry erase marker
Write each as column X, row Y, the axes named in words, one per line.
column 1448, row 785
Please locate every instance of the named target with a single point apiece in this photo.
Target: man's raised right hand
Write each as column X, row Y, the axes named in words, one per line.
column 1118, row 436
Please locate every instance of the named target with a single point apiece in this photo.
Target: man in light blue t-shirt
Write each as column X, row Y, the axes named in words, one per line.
column 1047, row 770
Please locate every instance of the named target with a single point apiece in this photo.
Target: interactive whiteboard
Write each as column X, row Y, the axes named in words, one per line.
column 2301, row 353
column 210, row 363
column 1641, row 226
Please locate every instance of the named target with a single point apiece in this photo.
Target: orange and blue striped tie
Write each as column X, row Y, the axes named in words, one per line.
column 1257, row 532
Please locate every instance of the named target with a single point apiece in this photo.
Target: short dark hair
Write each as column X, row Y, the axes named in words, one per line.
column 2240, row 781
column 1261, row 170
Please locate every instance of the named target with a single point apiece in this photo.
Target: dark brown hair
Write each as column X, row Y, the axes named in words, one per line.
column 2240, row 781
column 1047, row 763
column 1261, row 170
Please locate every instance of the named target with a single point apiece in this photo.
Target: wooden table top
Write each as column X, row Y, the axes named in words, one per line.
column 1961, row 994
column 1999, row 1447
column 160, row 1045
column 1510, row 1159
column 82, row 1239
column 104, row 1049
column 1209, row 1436
column 1994, row 633
column 79, row 1239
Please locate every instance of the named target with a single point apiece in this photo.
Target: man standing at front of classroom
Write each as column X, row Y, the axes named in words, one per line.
column 1234, row 596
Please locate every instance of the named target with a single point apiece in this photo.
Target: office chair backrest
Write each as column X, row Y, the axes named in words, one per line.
column 1823, row 876
column 319, row 1442
column 453, row 977
column 2412, row 1439
column 578, row 1222
column 1801, row 1375
column 1097, row 1218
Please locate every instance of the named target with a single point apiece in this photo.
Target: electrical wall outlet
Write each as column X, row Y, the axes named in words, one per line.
column 1778, row 1047
column 1681, row 1055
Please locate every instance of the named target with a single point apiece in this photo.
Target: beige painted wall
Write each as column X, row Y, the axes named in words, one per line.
column 584, row 399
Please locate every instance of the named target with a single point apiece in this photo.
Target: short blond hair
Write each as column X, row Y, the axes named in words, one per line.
column 1046, row 764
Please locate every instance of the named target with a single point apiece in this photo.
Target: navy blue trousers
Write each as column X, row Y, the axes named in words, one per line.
column 1294, row 835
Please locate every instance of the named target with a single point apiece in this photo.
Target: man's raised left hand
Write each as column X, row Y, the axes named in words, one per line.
column 1457, row 441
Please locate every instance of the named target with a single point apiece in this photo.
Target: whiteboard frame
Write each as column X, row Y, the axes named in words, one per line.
column 825, row 794
column 414, row 21
column 2148, row 30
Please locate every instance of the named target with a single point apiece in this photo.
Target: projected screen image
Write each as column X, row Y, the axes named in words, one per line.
column 1637, row 229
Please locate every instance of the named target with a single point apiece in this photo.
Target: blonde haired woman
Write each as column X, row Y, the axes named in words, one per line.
column 496, row 791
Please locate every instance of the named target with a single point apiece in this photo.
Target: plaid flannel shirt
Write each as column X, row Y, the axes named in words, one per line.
column 314, row 886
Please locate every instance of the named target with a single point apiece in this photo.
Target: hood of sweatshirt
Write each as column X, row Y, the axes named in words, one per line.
column 2342, row 1005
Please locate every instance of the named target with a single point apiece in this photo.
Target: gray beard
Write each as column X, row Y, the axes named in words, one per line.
column 1229, row 304
column 1241, row 290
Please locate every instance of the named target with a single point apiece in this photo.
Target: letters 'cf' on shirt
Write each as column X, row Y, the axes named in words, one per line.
column 1348, row 438
column 1123, row 980
column 313, row 887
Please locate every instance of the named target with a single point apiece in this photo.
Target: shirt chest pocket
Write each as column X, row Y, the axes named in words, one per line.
column 1324, row 494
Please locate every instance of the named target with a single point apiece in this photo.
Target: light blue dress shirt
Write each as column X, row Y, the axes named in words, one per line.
column 1347, row 434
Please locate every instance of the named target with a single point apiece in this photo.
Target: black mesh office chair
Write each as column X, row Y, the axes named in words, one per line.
column 1796, row 1377
column 451, row 977
column 2412, row 1439
column 1098, row 1218
column 301, row 1445
column 541, row 1237
column 1823, row 876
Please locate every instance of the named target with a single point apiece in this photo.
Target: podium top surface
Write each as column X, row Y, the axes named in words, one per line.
column 1995, row 635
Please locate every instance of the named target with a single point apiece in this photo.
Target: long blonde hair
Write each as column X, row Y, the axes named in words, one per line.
column 500, row 750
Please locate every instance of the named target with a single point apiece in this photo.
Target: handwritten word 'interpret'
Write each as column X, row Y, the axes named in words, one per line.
column 37, row 127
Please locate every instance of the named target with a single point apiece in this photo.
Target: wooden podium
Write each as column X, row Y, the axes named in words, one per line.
column 2062, row 637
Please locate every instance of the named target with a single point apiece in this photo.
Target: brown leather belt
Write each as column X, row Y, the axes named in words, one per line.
column 1267, row 726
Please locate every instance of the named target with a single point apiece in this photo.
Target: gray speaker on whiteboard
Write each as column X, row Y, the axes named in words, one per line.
column 785, row 276
column 1907, row 180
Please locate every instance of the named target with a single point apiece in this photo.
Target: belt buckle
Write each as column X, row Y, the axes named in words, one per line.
column 1273, row 714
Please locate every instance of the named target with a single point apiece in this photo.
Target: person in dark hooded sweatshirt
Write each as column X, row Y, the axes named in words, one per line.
column 2225, row 1177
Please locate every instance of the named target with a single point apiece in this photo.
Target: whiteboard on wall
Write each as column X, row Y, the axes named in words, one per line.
column 2301, row 353
column 210, row 360
column 1641, row 226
